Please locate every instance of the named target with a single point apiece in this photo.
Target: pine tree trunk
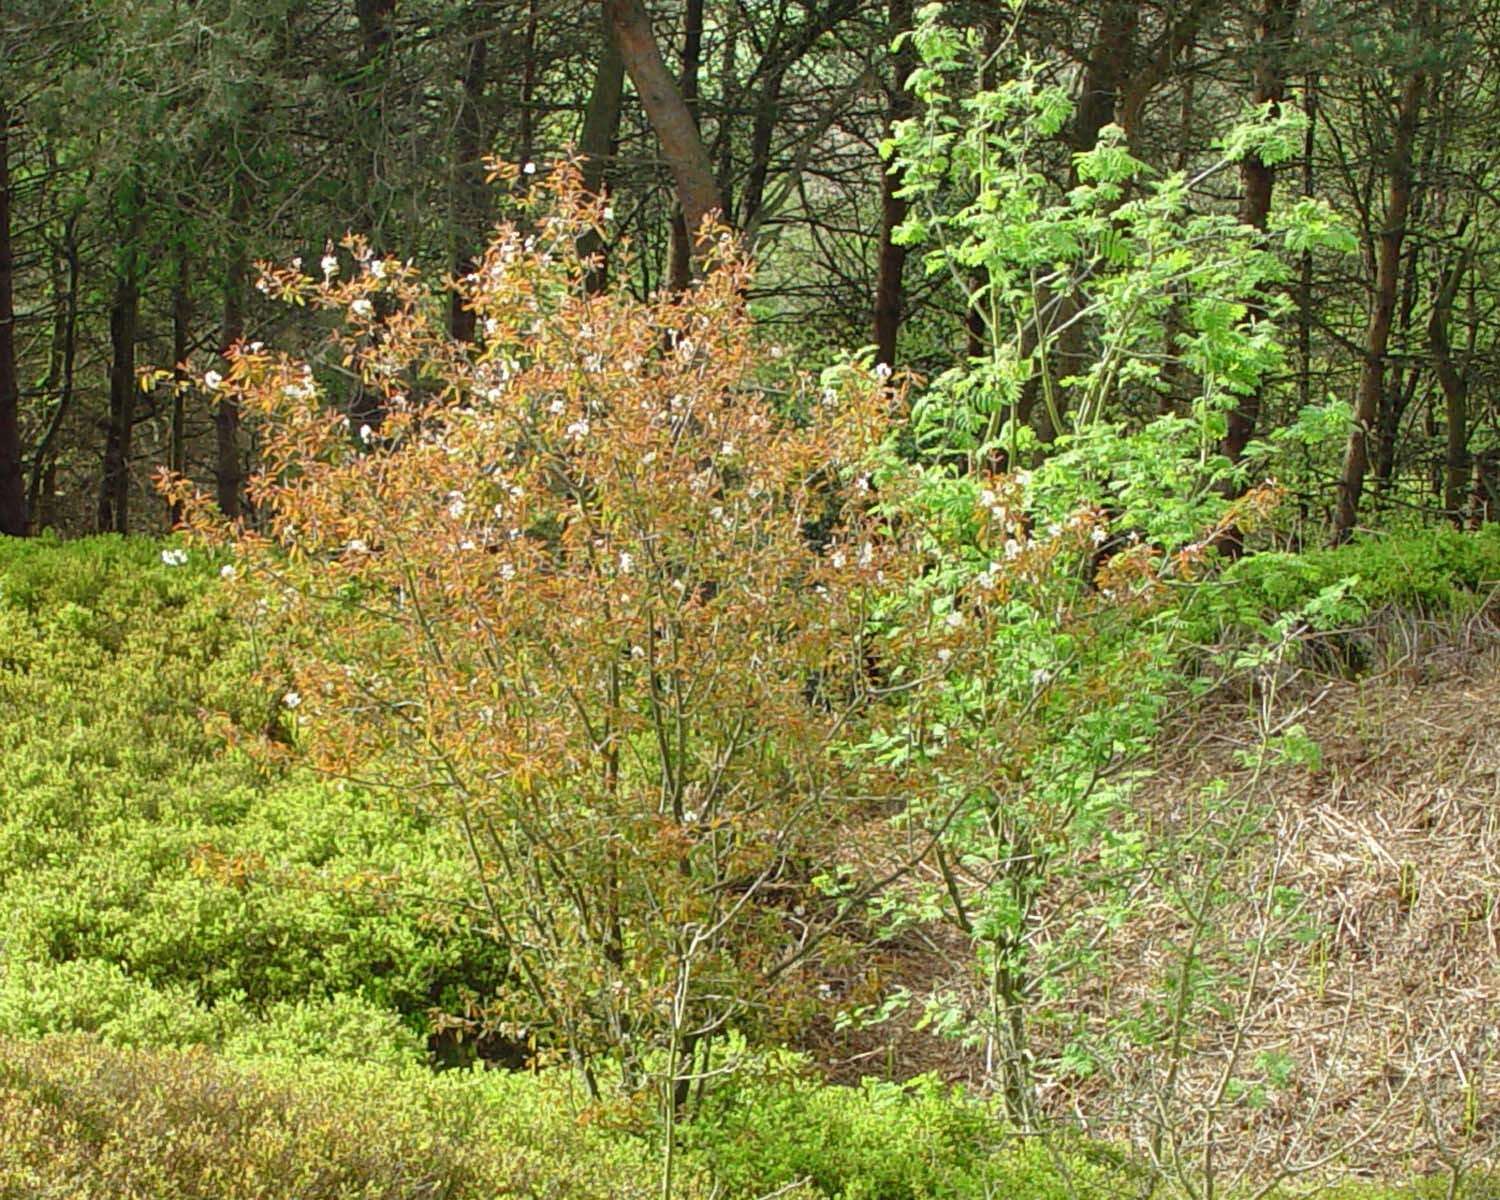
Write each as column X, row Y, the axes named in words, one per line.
column 470, row 207
column 596, row 142
column 1455, row 386
column 680, row 268
column 1257, row 181
column 891, row 269
column 124, row 321
column 12, row 490
column 227, row 473
column 182, row 332
column 1382, row 311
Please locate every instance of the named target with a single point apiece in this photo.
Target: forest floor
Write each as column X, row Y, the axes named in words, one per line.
column 1353, row 981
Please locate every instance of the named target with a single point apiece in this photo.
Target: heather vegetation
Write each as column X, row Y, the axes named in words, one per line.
column 591, row 731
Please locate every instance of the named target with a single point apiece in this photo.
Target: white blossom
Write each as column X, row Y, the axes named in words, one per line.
column 578, row 429
column 944, row 654
column 365, row 434
column 627, row 562
column 292, row 699
column 227, row 572
column 456, row 505
column 330, row 265
column 212, row 380
column 362, row 308
column 954, row 618
column 377, row 268
column 529, row 169
column 174, row 557
column 357, row 546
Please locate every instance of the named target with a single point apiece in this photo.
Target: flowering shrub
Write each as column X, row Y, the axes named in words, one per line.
column 592, row 592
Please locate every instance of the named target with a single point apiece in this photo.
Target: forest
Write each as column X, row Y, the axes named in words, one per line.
column 734, row 599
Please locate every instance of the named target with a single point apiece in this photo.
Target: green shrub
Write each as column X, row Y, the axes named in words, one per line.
column 1437, row 571
column 156, row 886
column 80, row 1120
column 881, row 1141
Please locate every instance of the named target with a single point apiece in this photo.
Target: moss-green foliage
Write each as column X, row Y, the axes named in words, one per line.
column 1435, row 572
column 882, row 1141
column 83, row 1121
column 164, row 890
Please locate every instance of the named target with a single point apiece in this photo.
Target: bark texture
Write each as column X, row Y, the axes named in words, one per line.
column 1273, row 35
column 891, row 269
column 670, row 117
column 1383, row 308
column 12, row 490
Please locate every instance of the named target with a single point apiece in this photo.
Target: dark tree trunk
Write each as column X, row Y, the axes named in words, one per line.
column 227, row 474
column 1305, row 273
column 528, row 83
column 1455, row 385
column 65, row 358
column 731, row 98
column 470, row 208
column 1383, row 310
column 767, row 109
column 1273, row 35
column 1111, row 57
column 1110, row 60
column 596, row 143
column 670, row 117
column 182, row 335
column 369, row 195
column 124, row 320
column 1401, row 384
column 12, row 490
column 680, row 268
column 889, row 293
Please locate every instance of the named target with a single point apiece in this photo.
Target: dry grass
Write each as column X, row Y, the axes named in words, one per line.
column 1357, row 933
